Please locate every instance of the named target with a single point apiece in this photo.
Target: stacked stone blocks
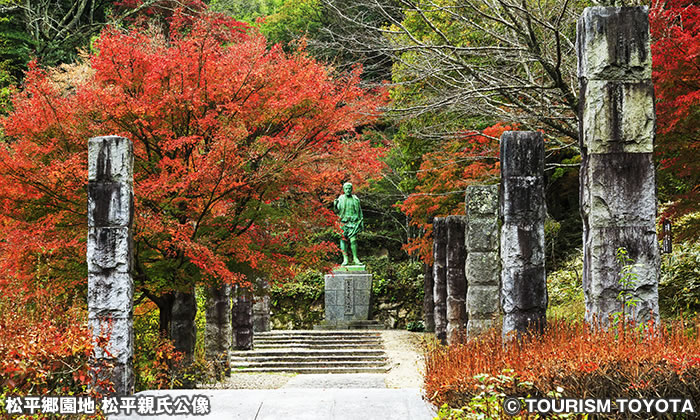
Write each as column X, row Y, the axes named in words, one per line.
column 482, row 263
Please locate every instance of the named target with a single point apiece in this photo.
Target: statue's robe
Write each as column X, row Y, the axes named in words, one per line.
column 350, row 213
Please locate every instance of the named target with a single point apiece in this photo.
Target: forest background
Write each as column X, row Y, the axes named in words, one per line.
column 432, row 85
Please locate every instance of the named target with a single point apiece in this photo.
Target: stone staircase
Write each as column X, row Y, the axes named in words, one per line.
column 313, row 352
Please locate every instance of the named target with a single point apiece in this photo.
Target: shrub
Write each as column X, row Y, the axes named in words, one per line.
column 565, row 289
column 397, row 290
column 155, row 359
column 679, row 285
column 397, row 293
column 298, row 303
column 569, row 359
column 45, row 349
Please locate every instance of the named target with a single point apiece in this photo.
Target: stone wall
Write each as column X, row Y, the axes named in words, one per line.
column 616, row 125
column 483, row 268
column 523, row 278
column 109, row 258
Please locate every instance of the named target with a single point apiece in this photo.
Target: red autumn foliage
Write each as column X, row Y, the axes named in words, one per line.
column 443, row 177
column 675, row 30
column 585, row 363
column 238, row 150
column 44, row 348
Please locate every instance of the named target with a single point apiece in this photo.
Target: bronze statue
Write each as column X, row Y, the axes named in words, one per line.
column 347, row 206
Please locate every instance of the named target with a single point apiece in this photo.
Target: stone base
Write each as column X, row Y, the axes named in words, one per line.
column 350, row 267
column 347, row 296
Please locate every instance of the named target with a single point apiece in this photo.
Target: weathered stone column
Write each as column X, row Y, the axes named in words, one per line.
column 109, row 258
column 261, row 310
column 439, row 277
column 456, row 280
column 428, row 304
column 217, row 336
column 523, row 278
column 616, row 126
column 483, row 268
column 183, row 332
column 182, row 327
column 242, row 321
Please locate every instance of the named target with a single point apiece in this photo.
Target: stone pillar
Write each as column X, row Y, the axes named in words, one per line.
column 182, row 327
column 261, row 314
column 616, row 130
column 217, row 334
column 523, row 278
column 456, row 310
column 428, row 304
column 439, row 277
column 483, row 268
column 242, row 321
column 109, row 258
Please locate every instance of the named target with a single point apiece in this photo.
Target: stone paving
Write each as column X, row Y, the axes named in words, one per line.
column 317, row 397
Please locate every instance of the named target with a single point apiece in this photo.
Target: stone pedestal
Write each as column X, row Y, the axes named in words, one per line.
column 347, row 295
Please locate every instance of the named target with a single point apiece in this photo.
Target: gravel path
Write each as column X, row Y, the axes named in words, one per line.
column 403, row 349
column 405, row 352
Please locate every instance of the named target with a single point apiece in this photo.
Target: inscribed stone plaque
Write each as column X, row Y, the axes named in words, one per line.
column 349, row 301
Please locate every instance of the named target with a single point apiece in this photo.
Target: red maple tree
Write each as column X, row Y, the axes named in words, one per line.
column 238, row 151
column 675, row 29
column 443, row 177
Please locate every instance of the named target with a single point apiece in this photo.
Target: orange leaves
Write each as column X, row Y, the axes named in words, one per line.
column 443, row 177
column 43, row 351
column 237, row 149
column 585, row 363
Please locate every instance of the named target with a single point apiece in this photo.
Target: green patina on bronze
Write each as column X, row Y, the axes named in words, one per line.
column 347, row 206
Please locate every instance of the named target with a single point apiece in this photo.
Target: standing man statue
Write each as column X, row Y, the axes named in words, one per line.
column 347, row 206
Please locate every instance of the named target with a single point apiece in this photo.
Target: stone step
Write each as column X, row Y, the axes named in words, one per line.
column 314, row 340
column 319, row 333
column 313, row 370
column 371, row 336
column 320, row 359
column 354, row 325
column 307, row 352
column 312, row 364
column 312, row 346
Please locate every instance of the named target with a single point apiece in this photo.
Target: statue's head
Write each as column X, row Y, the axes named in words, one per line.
column 347, row 188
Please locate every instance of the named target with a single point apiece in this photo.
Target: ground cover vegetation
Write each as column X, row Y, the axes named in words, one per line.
column 239, row 156
column 569, row 360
